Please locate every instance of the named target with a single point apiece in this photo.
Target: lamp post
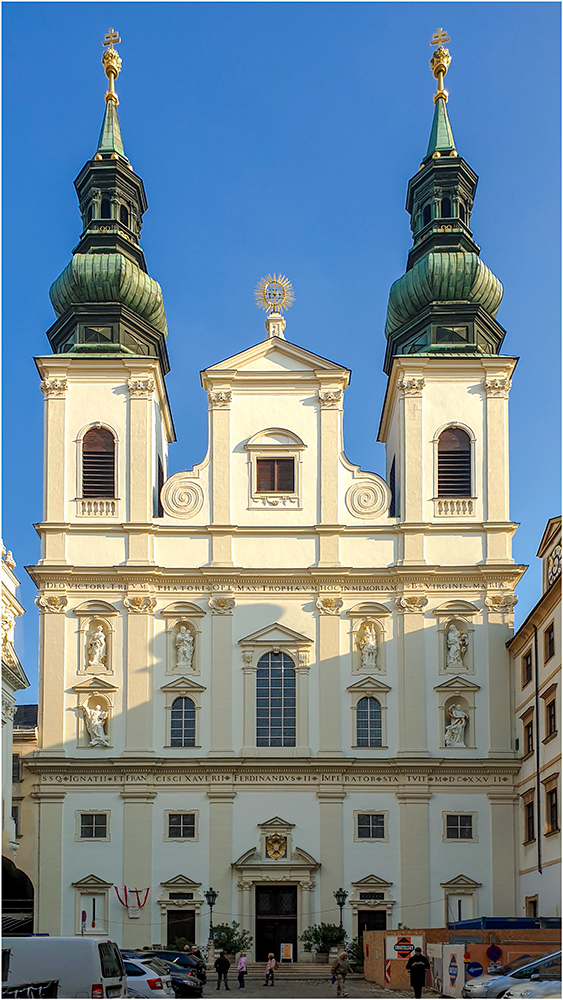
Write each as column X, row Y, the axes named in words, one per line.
column 340, row 896
column 211, row 899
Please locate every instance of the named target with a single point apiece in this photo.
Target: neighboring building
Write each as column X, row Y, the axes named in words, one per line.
column 275, row 673
column 23, row 804
column 535, row 652
column 17, row 892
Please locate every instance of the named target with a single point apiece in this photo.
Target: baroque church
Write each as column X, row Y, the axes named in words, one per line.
column 271, row 674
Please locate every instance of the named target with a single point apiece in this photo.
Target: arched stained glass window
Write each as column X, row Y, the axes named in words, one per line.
column 275, row 701
column 368, row 723
column 182, row 724
column 454, row 463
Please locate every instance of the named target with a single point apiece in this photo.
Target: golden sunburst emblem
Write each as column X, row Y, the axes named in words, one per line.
column 274, row 293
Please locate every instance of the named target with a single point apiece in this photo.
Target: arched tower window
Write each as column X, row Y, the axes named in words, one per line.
column 182, row 723
column 105, row 212
column 98, row 463
column 446, row 208
column 123, row 215
column 426, row 215
column 275, row 701
column 368, row 723
column 454, row 463
column 89, row 213
column 462, row 211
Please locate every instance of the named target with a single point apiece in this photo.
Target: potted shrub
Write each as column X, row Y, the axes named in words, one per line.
column 230, row 939
column 320, row 938
column 355, row 955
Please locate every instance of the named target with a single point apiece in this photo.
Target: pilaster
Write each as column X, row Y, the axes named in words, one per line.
column 501, row 707
column 141, row 389
column 330, row 400
column 48, row 899
column 329, row 676
column 52, row 622
column 414, row 855
column 411, row 681
column 221, row 742
column 220, row 850
column 137, row 859
column 504, row 837
column 331, row 847
column 138, row 691
column 220, row 454
column 55, row 495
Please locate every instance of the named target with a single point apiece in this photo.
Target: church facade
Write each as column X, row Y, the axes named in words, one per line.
column 274, row 673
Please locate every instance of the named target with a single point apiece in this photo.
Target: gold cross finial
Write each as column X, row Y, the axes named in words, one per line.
column 113, row 36
column 111, row 63
column 440, row 36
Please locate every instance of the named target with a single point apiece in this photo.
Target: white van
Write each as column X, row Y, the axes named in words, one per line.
column 84, row 966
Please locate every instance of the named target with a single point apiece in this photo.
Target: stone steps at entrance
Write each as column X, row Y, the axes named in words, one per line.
column 292, row 971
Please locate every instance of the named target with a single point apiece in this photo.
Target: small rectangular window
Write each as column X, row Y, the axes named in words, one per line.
column 528, row 738
column 181, row 825
column 393, row 506
column 549, row 642
column 551, row 718
column 16, row 819
column 459, row 827
column 16, row 767
column 526, row 668
column 529, row 822
column 552, row 812
column 93, row 825
column 371, row 826
column 275, row 475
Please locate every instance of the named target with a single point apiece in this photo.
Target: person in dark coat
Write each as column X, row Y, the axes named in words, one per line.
column 418, row 965
column 222, row 966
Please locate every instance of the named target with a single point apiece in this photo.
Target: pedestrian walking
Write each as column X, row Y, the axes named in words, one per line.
column 271, row 964
column 340, row 970
column 241, row 969
column 222, row 966
column 418, row 965
column 195, row 952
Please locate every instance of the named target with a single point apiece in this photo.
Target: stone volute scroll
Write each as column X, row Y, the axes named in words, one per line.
column 182, row 496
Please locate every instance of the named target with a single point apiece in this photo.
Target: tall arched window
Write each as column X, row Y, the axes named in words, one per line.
column 454, row 463
column 124, row 215
column 368, row 723
column 105, row 212
column 275, row 701
column 461, row 212
column 426, row 215
column 182, row 723
column 446, row 208
column 98, row 463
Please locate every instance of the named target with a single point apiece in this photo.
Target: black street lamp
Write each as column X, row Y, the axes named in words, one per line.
column 211, row 899
column 340, row 896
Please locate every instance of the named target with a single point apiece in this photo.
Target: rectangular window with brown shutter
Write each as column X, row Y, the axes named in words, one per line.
column 275, row 475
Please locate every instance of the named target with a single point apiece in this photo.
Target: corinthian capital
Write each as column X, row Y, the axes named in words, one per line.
column 219, row 398
column 410, row 386
column 53, row 386
column 141, row 386
column 499, row 386
column 51, row 602
column 140, row 605
column 414, row 604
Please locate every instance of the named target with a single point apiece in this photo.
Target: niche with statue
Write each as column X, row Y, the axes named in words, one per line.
column 183, row 636
column 457, row 713
column 96, row 633
column 94, row 713
column 455, row 637
column 368, row 637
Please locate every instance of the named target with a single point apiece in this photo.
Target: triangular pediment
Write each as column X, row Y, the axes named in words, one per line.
column 92, row 882
column 94, row 684
column 274, row 355
column 273, row 635
column 182, row 684
column 302, row 857
column 461, row 882
column 371, row 881
column 457, row 684
column 369, row 684
column 278, row 822
column 180, row 882
column 550, row 535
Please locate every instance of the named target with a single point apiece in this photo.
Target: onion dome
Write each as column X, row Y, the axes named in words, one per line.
column 105, row 300
column 447, row 300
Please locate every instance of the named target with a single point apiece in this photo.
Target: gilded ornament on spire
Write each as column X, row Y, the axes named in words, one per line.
column 440, row 62
column 111, row 63
column 274, row 293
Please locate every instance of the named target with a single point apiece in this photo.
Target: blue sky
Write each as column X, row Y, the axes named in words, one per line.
column 281, row 137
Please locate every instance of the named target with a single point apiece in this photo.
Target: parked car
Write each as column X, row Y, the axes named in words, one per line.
column 84, row 966
column 542, row 989
column 184, row 983
column 148, row 978
column 523, row 968
column 184, row 960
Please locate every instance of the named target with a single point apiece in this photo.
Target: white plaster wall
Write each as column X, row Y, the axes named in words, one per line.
column 181, row 550
column 276, row 552
column 365, row 550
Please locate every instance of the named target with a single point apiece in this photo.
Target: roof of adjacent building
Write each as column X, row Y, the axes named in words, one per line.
column 25, row 717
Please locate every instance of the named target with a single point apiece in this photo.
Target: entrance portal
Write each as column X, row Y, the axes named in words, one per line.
column 370, row 920
column 276, row 920
column 180, row 924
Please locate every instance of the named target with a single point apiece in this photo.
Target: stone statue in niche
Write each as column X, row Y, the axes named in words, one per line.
column 97, row 648
column 94, row 720
column 455, row 730
column 184, row 647
column 367, row 644
column 456, row 644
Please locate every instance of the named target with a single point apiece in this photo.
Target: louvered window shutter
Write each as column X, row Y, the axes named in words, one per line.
column 265, row 475
column 275, row 475
column 454, row 464
column 284, row 475
column 98, row 464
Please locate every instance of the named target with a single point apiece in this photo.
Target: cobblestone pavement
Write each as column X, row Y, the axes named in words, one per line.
column 292, row 990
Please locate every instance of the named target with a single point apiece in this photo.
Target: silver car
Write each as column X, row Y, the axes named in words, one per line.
column 540, row 991
column 497, row 983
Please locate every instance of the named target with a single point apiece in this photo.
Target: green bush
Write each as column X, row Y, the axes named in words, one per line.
column 230, row 939
column 322, row 937
column 355, row 953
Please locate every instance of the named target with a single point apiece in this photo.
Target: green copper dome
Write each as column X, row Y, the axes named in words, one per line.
column 109, row 277
column 442, row 277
